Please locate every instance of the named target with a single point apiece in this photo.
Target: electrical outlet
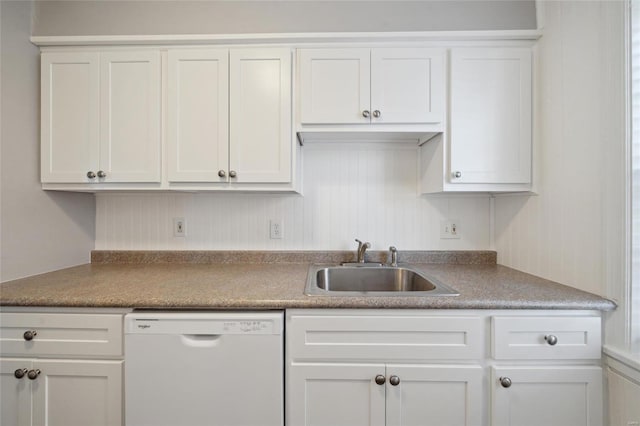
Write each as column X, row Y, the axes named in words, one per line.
column 179, row 227
column 450, row 229
column 276, row 229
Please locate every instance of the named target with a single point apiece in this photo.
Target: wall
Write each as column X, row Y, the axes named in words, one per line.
column 226, row 17
column 365, row 191
column 41, row 231
column 573, row 232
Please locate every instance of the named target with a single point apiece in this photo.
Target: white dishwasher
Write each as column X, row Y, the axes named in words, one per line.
column 197, row 369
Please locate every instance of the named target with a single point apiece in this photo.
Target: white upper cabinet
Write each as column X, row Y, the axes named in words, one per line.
column 198, row 125
column 490, row 141
column 379, row 85
column 260, row 116
column 100, row 117
column 407, row 85
column 229, row 115
column 130, row 116
column 70, row 116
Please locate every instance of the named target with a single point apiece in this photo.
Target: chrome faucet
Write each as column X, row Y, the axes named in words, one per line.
column 394, row 256
column 362, row 248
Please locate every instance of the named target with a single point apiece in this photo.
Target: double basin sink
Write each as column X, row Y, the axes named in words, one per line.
column 358, row 280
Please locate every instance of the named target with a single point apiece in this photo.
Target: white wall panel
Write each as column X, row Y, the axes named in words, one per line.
column 571, row 232
column 365, row 191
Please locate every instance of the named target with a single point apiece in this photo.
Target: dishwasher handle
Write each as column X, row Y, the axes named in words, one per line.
column 200, row 340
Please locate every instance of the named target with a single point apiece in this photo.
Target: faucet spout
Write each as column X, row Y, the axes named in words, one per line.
column 394, row 256
column 362, row 248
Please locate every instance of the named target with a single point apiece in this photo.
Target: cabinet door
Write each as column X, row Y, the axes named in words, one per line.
column 550, row 396
column 15, row 403
column 70, row 116
column 260, row 140
column 407, row 85
column 434, row 395
column 335, row 395
column 77, row 393
column 130, row 116
column 198, row 127
column 334, row 86
column 490, row 115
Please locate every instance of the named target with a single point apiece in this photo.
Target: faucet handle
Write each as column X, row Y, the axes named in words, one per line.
column 394, row 256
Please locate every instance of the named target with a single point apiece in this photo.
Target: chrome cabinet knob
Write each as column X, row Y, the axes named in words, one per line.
column 457, row 174
column 394, row 380
column 33, row 374
column 101, row 174
column 366, row 113
column 222, row 173
column 377, row 113
column 91, row 175
column 380, row 379
column 29, row 335
column 551, row 339
column 232, row 173
column 505, row 382
column 20, row 372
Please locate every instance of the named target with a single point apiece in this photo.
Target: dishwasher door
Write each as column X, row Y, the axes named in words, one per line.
column 197, row 369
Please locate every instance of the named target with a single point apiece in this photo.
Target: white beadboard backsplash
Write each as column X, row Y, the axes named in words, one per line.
column 365, row 191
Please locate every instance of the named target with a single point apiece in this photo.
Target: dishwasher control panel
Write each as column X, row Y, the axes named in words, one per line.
column 204, row 323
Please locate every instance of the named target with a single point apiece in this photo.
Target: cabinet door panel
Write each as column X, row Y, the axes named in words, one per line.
column 70, row 115
column 491, row 115
column 334, row 85
column 407, row 85
column 335, row 395
column 434, row 395
column 15, row 403
column 78, row 393
column 260, row 110
column 198, row 125
column 130, row 124
column 550, row 396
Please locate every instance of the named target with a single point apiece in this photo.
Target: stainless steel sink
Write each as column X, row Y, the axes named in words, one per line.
column 373, row 281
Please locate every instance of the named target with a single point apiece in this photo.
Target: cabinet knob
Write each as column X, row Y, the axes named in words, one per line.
column 551, row 339
column 457, row 174
column 19, row 373
column 366, row 113
column 101, row 174
column 33, row 374
column 380, row 379
column 222, row 173
column 394, row 380
column 377, row 113
column 505, row 382
column 91, row 175
column 232, row 173
column 29, row 335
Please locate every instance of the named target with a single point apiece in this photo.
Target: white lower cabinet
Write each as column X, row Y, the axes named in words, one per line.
column 459, row 367
column 550, row 396
column 40, row 390
column 378, row 394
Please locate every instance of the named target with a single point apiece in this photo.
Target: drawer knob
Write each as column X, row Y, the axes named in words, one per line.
column 221, row 173
column 101, row 174
column 457, row 174
column 366, row 113
column 380, row 379
column 377, row 113
column 91, row 175
column 29, row 335
column 232, row 173
column 19, row 373
column 505, row 382
column 394, row 380
column 33, row 374
column 551, row 339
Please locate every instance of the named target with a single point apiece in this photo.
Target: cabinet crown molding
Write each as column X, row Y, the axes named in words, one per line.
column 288, row 38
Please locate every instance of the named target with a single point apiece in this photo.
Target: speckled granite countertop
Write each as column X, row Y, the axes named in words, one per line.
column 269, row 280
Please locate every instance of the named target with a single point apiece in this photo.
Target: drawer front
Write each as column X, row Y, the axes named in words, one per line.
column 383, row 338
column 61, row 334
column 546, row 337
